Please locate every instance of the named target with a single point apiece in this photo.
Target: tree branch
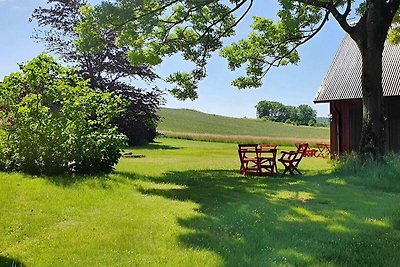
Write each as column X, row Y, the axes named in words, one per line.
column 348, row 9
column 329, row 6
column 276, row 62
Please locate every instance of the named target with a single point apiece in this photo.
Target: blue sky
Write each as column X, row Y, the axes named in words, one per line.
column 292, row 85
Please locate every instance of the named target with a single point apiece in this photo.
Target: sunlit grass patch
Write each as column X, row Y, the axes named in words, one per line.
column 291, row 195
column 378, row 222
column 338, row 228
column 309, row 215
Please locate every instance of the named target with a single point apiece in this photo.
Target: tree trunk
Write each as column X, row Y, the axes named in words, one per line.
column 372, row 133
column 370, row 35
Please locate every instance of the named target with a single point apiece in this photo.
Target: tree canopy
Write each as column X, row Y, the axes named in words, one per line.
column 195, row 29
column 155, row 29
column 276, row 111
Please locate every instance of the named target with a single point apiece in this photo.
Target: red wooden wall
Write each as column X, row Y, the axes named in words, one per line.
column 345, row 125
column 345, row 132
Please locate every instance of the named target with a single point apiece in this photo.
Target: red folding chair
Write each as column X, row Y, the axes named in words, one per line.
column 249, row 159
column 291, row 159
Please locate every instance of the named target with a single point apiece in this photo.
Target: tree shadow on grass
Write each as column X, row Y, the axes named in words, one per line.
column 262, row 221
column 10, row 262
column 99, row 180
column 155, row 146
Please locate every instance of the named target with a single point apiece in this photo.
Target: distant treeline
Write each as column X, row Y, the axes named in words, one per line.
column 301, row 115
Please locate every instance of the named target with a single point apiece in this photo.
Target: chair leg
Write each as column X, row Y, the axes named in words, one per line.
column 243, row 168
column 286, row 168
column 291, row 168
column 297, row 170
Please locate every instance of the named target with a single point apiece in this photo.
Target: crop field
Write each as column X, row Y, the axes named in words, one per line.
column 194, row 125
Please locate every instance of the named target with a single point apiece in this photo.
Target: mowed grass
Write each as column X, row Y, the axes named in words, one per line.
column 185, row 204
column 190, row 124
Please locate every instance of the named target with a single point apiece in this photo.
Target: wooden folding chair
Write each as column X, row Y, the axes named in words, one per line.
column 291, row 160
column 323, row 150
column 267, row 159
column 248, row 155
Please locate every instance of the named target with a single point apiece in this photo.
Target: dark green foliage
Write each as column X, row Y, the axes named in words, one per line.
column 52, row 122
column 140, row 119
column 275, row 111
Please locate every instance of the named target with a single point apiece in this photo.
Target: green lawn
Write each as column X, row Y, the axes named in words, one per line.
column 185, row 204
column 197, row 125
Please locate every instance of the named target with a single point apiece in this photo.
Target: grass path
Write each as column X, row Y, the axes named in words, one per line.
column 184, row 204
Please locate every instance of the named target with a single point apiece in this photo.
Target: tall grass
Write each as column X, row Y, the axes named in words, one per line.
column 209, row 137
column 382, row 175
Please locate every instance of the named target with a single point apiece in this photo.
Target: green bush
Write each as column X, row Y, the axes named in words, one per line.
column 53, row 123
column 367, row 171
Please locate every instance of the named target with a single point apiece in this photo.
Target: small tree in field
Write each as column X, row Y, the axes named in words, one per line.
column 53, row 123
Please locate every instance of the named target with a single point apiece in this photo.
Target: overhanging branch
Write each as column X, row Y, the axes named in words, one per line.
column 329, row 6
column 276, row 62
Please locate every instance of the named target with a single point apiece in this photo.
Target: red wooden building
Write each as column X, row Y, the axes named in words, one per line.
column 342, row 89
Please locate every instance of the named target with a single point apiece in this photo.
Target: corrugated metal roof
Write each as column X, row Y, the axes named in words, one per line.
column 343, row 80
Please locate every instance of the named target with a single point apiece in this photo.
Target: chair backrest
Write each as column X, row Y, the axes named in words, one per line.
column 247, row 146
column 267, row 146
column 242, row 148
column 268, row 150
column 302, row 149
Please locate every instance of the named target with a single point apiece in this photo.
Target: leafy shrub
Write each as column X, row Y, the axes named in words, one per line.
column 367, row 171
column 52, row 122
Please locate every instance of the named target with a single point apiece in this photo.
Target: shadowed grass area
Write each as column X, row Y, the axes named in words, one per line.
column 10, row 262
column 298, row 221
column 185, row 204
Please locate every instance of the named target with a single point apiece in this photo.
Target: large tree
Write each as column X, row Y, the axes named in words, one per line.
column 154, row 29
column 107, row 69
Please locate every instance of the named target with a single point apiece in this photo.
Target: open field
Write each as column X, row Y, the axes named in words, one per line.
column 194, row 125
column 185, row 204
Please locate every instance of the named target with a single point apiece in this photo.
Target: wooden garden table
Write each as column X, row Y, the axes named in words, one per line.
column 258, row 160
